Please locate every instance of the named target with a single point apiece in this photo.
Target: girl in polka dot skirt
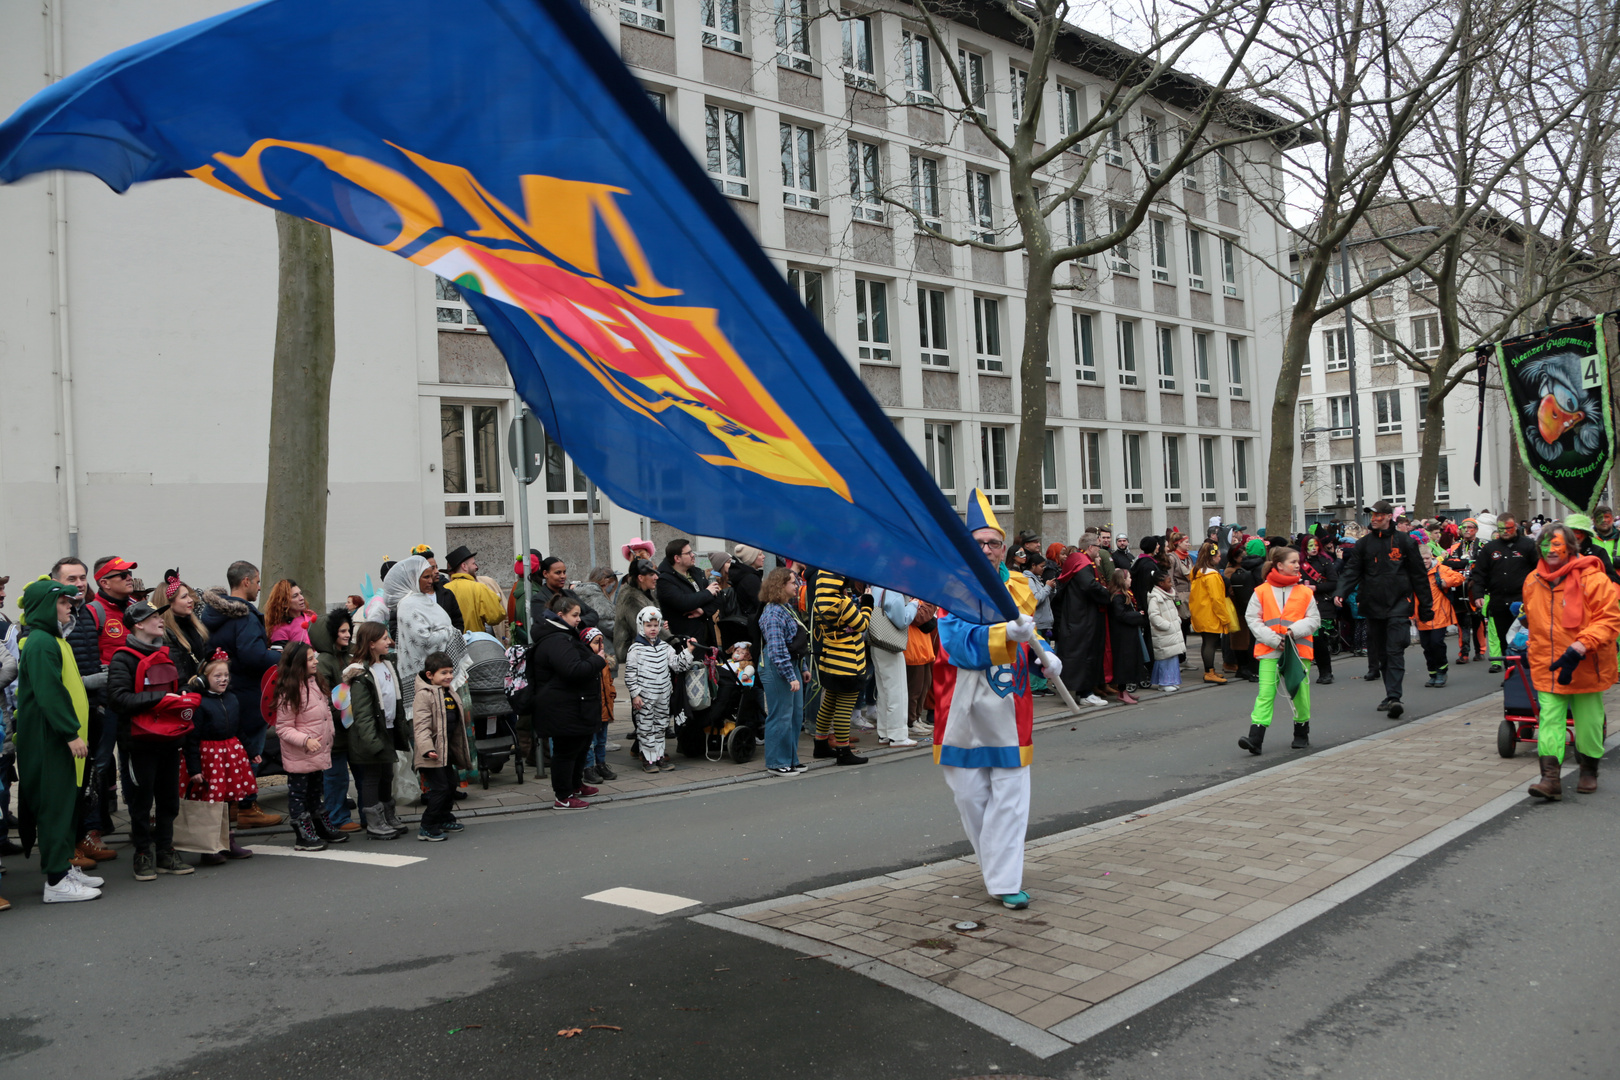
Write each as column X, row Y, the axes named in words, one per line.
column 216, row 763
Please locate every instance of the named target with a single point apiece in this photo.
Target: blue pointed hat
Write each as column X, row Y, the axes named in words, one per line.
column 981, row 516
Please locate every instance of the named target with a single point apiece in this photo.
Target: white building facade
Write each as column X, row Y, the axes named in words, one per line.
column 136, row 331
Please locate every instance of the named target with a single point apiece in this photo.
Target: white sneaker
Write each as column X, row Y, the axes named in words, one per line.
column 1169, row 689
column 1093, row 699
column 861, row 723
column 902, row 742
column 85, row 879
column 68, row 891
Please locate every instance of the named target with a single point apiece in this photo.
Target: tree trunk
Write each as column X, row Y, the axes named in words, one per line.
column 1433, row 435
column 300, row 410
column 1518, row 497
column 1280, row 467
column 1028, row 489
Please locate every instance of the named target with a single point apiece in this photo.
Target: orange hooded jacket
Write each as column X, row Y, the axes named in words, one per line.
column 1443, row 613
column 1576, row 602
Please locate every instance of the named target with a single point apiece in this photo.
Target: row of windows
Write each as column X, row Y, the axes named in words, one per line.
column 1389, row 476
column 1423, row 340
column 995, row 465
column 875, row 339
column 1387, row 418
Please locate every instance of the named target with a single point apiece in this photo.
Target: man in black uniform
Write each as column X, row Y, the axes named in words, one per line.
column 1387, row 567
column 1498, row 579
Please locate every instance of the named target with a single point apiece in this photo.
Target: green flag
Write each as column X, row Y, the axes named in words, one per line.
column 1290, row 666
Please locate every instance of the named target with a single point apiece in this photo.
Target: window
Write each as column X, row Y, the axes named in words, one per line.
column 872, row 319
column 1119, row 255
column 807, row 284
column 1201, row 380
column 1125, row 341
column 980, row 212
column 1229, row 267
column 1507, row 273
column 1167, row 358
column 722, row 24
column 859, row 70
column 793, row 34
column 1074, row 226
column 1339, row 417
column 1383, row 344
column 865, row 181
column 450, row 311
column 1159, row 248
column 1172, row 468
column 1068, row 117
column 987, row 333
column 1195, row 259
column 1133, row 470
column 1344, row 484
column 1386, row 288
column 1392, row 479
column 993, row 463
column 658, row 102
column 1224, row 176
column 1442, row 480
column 566, row 489
column 1335, row 350
column 1240, row 470
column 1423, row 409
column 1234, row 365
column 925, row 190
column 1387, row 411
column 1334, row 282
column 931, row 314
column 1091, row 472
column 649, row 14
column 1419, row 282
column 1152, row 144
column 1206, row 471
column 470, row 442
column 1426, row 337
column 799, row 168
column 971, row 65
column 1017, row 90
column 919, row 68
column 1114, row 152
column 1049, row 469
column 1307, row 423
column 939, row 447
column 1085, row 348
column 727, row 150
column 1190, row 171
column 1308, row 485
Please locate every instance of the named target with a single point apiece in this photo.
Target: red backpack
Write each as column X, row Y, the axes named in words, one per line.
column 170, row 719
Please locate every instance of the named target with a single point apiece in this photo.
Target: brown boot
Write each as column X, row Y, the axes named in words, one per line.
column 1551, row 786
column 83, row 862
column 92, row 847
column 233, row 812
column 1587, row 784
column 251, row 817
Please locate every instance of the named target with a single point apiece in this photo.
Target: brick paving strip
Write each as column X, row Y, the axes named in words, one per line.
column 1130, row 911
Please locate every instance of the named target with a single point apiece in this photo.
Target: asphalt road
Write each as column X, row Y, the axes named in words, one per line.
column 281, row 966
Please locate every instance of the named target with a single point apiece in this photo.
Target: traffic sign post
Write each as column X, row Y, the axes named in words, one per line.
column 525, row 448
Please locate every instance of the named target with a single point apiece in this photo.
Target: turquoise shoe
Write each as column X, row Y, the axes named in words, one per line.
column 1017, row 901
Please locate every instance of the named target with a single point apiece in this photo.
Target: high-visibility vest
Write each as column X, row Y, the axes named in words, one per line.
column 1297, row 607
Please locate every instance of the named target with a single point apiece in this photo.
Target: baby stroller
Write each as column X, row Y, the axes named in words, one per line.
column 494, row 732
column 732, row 726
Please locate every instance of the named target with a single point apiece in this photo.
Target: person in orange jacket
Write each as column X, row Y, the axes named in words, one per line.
column 1572, row 611
column 1432, row 632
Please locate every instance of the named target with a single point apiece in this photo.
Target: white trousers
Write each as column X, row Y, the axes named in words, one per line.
column 994, row 804
column 891, row 693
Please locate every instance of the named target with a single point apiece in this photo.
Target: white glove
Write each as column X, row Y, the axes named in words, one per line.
column 1051, row 665
column 1021, row 628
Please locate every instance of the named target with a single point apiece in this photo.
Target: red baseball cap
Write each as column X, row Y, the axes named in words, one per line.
column 113, row 566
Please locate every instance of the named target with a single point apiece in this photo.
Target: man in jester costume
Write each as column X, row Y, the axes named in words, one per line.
column 983, row 715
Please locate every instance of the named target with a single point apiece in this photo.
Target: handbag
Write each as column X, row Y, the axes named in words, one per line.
column 882, row 632
column 202, row 827
column 698, row 695
column 1232, row 624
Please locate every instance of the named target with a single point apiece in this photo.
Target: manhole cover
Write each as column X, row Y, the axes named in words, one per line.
column 964, row 927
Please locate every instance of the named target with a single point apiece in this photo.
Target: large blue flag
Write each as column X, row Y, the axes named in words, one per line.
column 503, row 145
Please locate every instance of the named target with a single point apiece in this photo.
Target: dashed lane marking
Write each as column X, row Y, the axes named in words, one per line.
column 362, row 858
column 654, row 903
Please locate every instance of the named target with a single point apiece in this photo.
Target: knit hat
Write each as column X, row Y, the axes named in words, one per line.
column 1254, row 546
column 589, row 634
column 745, row 554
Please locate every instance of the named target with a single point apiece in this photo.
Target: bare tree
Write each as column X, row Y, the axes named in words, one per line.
column 1208, row 118
column 300, row 409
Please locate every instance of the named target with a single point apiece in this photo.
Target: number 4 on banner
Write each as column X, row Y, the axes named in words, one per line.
column 1591, row 377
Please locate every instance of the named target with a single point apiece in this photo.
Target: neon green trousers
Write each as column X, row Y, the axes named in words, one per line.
column 1588, row 712
column 1271, row 687
column 1492, row 645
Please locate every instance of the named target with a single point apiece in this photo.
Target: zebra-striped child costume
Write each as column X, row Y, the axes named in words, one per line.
column 649, row 669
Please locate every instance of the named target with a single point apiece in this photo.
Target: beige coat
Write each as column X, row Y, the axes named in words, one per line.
column 430, row 721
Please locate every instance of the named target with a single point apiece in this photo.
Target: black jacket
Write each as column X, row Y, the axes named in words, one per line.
column 1125, row 625
column 1143, row 571
column 215, row 720
column 85, row 640
column 1500, row 569
column 1078, row 624
column 237, row 627
column 122, row 697
column 1388, row 569
column 567, row 680
column 447, row 600
column 540, row 605
column 680, row 593
column 1322, row 575
column 187, row 653
column 745, row 582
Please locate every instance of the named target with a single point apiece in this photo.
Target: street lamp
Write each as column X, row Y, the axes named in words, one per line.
column 1350, row 343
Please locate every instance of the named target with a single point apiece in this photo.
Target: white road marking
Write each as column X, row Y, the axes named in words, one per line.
column 654, row 903
column 364, row 858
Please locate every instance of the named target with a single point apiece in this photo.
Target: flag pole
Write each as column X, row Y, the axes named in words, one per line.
column 1057, row 684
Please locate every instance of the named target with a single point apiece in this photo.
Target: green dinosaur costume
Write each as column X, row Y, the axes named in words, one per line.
column 52, row 711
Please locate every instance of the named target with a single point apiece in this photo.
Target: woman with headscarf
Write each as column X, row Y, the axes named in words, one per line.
column 1079, row 625
column 424, row 626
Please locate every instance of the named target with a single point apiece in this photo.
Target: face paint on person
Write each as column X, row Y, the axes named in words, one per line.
column 1553, row 550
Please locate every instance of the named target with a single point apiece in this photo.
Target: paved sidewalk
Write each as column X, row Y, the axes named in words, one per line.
column 1118, row 903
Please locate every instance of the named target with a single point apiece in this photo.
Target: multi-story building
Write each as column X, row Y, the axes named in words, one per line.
column 139, row 345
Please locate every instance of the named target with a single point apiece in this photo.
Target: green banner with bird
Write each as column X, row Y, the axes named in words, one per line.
column 1557, row 386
